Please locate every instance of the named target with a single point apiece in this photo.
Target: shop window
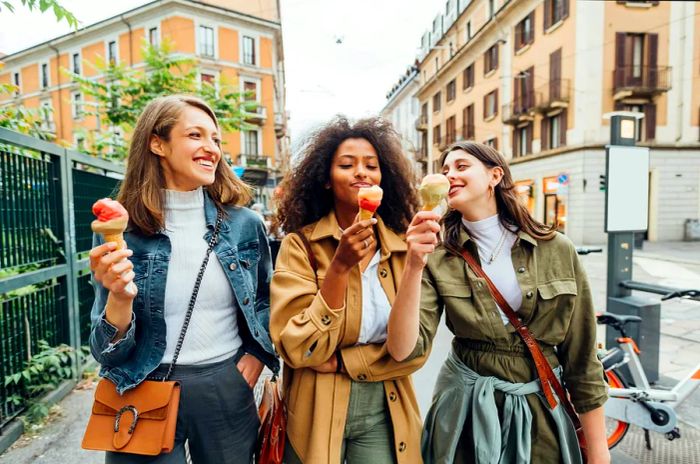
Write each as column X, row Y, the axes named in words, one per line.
column 555, row 208
column 525, row 191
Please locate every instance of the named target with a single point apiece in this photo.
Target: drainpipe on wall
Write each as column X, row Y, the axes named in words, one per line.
column 131, row 36
column 60, row 100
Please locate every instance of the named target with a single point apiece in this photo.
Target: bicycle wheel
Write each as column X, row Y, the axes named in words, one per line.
column 615, row 429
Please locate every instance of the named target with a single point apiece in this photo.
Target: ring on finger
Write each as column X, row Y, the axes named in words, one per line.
column 366, row 242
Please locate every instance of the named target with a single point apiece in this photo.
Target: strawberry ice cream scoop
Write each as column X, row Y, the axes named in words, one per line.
column 369, row 199
column 106, row 209
column 111, row 221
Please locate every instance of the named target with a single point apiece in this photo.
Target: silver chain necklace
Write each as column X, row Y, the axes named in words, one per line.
column 496, row 251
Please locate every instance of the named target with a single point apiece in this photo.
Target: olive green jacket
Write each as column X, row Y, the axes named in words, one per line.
column 557, row 307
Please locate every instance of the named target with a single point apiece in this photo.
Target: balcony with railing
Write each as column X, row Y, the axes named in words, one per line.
column 422, row 122
column 280, row 125
column 520, row 109
column 554, row 94
column 641, row 81
column 256, row 116
column 253, row 160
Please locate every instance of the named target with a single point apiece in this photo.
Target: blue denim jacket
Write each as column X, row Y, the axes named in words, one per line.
column 244, row 254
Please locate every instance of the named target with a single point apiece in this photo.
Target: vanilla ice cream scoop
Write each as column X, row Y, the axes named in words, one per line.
column 369, row 199
column 433, row 189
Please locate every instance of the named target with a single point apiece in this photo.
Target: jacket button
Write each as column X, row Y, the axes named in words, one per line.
column 326, row 319
column 246, row 300
column 529, row 294
column 232, row 266
column 383, row 272
column 392, row 396
column 521, row 270
column 361, row 377
column 402, row 446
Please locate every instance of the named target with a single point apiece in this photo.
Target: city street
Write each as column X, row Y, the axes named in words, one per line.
column 680, row 351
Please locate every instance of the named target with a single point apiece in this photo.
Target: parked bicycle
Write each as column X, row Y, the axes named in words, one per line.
column 633, row 400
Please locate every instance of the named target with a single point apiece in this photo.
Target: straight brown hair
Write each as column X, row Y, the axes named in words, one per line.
column 142, row 190
column 511, row 212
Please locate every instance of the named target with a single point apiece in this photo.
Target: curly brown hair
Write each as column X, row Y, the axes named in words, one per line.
column 305, row 198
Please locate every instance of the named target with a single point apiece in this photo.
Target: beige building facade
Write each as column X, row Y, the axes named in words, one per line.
column 233, row 41
column 535, row 77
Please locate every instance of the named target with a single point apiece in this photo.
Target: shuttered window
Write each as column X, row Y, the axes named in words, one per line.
column 554, row 12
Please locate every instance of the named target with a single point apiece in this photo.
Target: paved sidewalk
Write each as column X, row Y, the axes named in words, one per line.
column 663, row 263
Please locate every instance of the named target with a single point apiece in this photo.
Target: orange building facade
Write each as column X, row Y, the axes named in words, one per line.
column 234, row 42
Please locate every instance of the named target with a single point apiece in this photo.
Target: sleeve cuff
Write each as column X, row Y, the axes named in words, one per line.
column 109, row 331
column 323, row 316
column 355, row 364
column 589, row 405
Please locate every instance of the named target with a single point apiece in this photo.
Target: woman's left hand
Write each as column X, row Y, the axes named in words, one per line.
column 250, row 368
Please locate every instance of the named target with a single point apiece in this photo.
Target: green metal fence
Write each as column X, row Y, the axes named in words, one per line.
column 46, row 194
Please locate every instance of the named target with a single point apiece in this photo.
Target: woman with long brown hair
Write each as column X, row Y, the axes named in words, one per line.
column 179, row 193
column 335, row 279
column 488, row 405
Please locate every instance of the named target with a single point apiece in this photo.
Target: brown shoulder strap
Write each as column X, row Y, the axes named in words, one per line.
column 547, row 377
column 310, row 253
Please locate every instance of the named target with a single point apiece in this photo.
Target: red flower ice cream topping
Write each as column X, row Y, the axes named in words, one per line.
column 369, row 205
column 107, row 209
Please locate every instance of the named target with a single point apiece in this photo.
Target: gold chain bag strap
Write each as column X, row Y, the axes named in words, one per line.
column 548, row 380
column 143, row 419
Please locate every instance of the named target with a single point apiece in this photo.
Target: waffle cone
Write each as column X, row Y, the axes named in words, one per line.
column 365, row 214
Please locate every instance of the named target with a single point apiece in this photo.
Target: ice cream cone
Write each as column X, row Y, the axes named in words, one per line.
column 433, row 190
column 369, row 199
column 365, row 214
column 112, row 220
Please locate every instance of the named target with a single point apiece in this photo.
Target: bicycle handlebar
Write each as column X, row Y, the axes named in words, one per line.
column 585, row 251
column 686, row 293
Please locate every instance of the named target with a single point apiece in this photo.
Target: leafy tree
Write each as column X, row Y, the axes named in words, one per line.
column 43, row 5
column 119, row 97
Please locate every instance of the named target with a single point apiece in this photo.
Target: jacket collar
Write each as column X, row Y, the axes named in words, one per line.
column 210, row 212
column 328, row 227
column 464, row 236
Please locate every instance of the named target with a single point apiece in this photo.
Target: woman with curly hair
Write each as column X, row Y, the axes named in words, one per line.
column 331, row 295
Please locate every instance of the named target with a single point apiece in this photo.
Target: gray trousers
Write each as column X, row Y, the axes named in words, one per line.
column 217, row 417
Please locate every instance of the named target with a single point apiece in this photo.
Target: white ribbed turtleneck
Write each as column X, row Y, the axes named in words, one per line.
column 488, row 233
column 213, row 331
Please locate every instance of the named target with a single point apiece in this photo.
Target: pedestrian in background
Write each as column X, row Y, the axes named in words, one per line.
column 488, row 405
column 335, row 279
column 176, row 190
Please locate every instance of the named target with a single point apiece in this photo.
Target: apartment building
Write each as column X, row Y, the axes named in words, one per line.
column 402, row 109
column 235, row 40
column 534, row 78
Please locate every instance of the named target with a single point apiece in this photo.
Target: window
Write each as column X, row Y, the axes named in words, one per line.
column 16, row 81
column 468, row 122
column 251, row 142
column 492, row 142
column 452, row 50
column 522, row 140
column 76, row 63
column 469, row 31
column 47, row 116
column 437, row 64
column 250, row 90
column 77, row 105
column 153, row 36
column 208, row 78
column 112, row 52
column 44, row 75
column 424, row 111
column 206, row 41
column 436, row 102
column 554, row 12
column 553, row 131
column 491, row 59
column 525, row 31
column 451, row 90
column 436, row 135
column 451, row 130
column 645, row 130
column 248, row 50
column 637, row 54
column 491, row 104
column 468, row 77
column 636, row 60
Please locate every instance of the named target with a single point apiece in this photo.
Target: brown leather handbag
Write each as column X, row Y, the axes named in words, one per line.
column 273, row 424
column 143, row 419
column 548, row 379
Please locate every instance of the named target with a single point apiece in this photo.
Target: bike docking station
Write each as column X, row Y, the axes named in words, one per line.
column 634, row 322
column 626, row 212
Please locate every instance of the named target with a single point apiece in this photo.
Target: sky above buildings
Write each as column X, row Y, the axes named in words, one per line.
column 341, row 56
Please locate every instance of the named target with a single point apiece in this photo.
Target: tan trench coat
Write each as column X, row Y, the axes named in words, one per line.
column 306, row 332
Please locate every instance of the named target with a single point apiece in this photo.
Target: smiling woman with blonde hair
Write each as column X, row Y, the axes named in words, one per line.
column 179, row 192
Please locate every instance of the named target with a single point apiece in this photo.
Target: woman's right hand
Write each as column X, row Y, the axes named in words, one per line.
column 355, row 244
column 421, row 237
column 113, row 270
